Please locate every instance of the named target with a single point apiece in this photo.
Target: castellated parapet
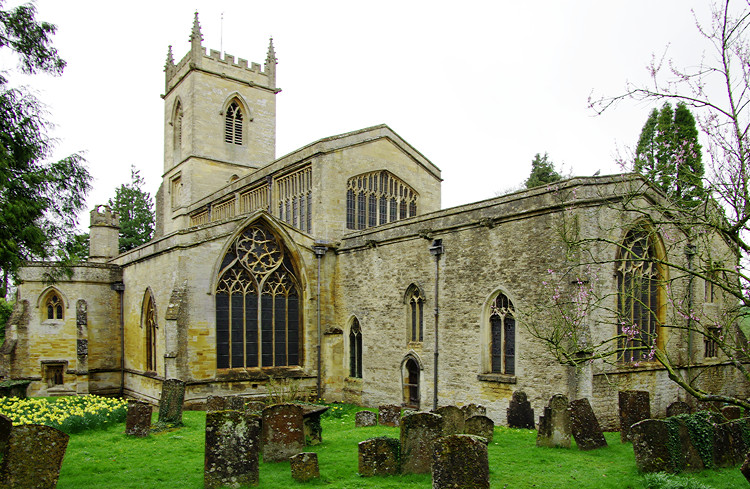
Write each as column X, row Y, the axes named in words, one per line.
column 104, row 232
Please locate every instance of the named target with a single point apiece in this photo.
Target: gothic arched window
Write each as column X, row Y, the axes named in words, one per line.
column 638, row 296
column 177, row 128
column 54, row 305
column 233, row 124
column 502, row 336
column 258, row 313
column 355, row 350
column 415, row 303
column 377, row 198
column 149, row 325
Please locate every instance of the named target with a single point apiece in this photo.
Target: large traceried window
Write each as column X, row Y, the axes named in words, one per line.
column 258, row 313
column 355, row 350
column 502, row 336
column 415, row 302
column 149, row 325
column 638, row 296
column 233, row 124
column 377, row 198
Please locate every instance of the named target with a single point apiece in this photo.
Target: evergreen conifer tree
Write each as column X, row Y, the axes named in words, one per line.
column 136, row 209
column 542, row 172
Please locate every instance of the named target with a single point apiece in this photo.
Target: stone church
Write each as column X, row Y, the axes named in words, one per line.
column 334, row 266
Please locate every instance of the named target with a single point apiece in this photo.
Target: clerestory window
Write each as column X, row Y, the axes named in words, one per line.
column 377, row 198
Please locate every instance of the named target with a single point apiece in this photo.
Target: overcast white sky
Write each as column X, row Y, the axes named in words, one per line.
column 478, row 87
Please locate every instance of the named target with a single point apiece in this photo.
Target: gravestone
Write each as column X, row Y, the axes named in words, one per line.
column 214, row 403
column 651, row 446
column 5, row 426
column 389, row 415
column 283, row 432
column 255, row 406
column 634, row 407
column 480, row 426
column 232, row 449
column 689, row 459
column 677, row 408
column 453, row 420
column 472, row 409
column 731, row 412
column 745, row 469
column 311, row 423
column 305, row 466
column 138, row 421
column 33, row 457
column 520, row 414
column 365, row 418
column 225, row 403
column 554, row 425
column 379, row 456
column 170, row 404
column 729, row 444
column 418, row 433
column 584, row 426
column 460, row 461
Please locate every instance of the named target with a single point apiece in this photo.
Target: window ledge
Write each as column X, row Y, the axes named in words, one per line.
column 502, row 378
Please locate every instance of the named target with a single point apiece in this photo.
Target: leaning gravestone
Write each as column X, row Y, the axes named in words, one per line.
column 584, row 426
column 365, row 418
column 520, row 414
column 554, row 425
column 283, row 432
column 460, row 461
column 729, row 444
column 651, row 446
column 5, row 426
column 480, row 426
column 453, row 420
column 731, row 412
column 232, row 449
column 33, row 457
column 379, row 456
column 678, row 407
column 170, row 404
column 138, row 421
column 389, row 415
column 634, row 407
column 472, row 409
column 304, row 466
column 418, row 433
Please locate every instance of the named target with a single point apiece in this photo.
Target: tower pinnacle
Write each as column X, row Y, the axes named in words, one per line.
column 195, row 35
column 270, row 66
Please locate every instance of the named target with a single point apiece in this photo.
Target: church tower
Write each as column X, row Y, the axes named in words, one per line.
column 220, row 123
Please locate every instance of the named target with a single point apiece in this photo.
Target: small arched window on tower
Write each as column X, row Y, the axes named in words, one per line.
column 177, row 128
column 502, row 336
column 355, row 350
column 233, row 124
column 54, row 306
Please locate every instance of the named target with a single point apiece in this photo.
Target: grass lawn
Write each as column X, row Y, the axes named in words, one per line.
column 174, row 459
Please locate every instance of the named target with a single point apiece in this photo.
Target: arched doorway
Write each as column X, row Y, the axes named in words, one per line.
column 411, row 383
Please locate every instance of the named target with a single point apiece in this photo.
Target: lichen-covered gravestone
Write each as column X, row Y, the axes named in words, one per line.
column 305, row 466
column 389, row 415
column 283, row 432
column 554, row 425
column 418, row 433
column 33, row 457
column 520, row 414
column 379, row 456
column 677, row 408
column 584, row 426
column 729, row 444
column 651, row 446
column 255, row 406
column 472, row 409
column 453, row 420
column 634, row 407
column 460, row 461
column 311, row 422
column 5, row 426
column 138, row 421
column 170, row 404
column 365, row 418
column 689, row 459
column 480, row 426
column 232, row 449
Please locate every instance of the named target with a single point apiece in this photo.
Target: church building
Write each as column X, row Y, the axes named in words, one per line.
column 336, row 267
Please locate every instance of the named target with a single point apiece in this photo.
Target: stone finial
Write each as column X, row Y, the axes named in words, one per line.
column 270, row 66
column 170, row 59
column 195, row 35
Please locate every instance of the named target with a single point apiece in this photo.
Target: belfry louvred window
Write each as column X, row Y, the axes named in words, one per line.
column 233, row 124
column 258, row 314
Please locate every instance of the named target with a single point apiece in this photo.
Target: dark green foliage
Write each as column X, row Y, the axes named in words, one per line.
column 6, row 308
column 136, row 209
column 668, row 154
column 542, row 172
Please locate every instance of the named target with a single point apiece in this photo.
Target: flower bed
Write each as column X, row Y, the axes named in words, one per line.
column 68, row 414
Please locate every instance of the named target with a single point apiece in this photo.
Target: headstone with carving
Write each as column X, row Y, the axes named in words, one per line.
column 554, row 425
column 460, row 461
column 453, row 420
column 170, row 404
column 418, row 433
column 283, row 432
column 651, row 446
column 584, row 426
column 677, row 408
column 232, row 449
column 480, row 426
column 33, row 457
column 472, row 409
column 138, row 421
column 634, row 407
column 379, row 456
column 389, row 415
column 365, row 418
column 520, row 414
column 304, row 466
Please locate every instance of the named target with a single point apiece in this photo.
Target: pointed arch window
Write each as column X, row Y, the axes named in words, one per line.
column 54, row 306
column 177, row 125
column 416, row 314
column 258, row 313
column 639, row 297
column 355, row 350
column 410, row 373
column 377, row 198
column 149, row 325
column 502, row 336
column 233, row 124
